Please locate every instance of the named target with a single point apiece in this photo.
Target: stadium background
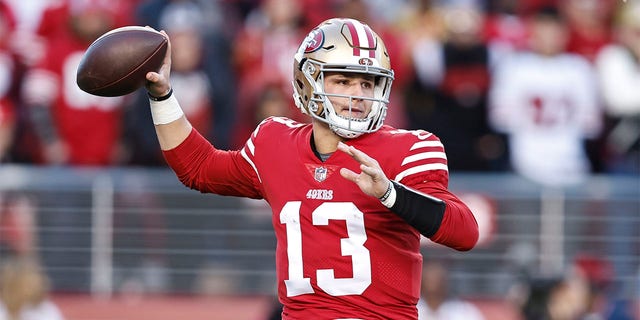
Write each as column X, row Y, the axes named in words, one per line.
column 125, row 240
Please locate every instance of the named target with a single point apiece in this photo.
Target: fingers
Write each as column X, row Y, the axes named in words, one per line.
column 153, row 77
column 164, row 33
column 166, row 62
column 371, row 180
column 374, row 172
column 349, row 175
column 368, row 165
column 158, row 82
column 344, row 148
column 360, row 156
column 167, row 57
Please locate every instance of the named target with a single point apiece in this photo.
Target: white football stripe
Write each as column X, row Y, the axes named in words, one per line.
column 252, row 148
column 255, row 132
column 246, row 157
column 424, row 155
column 426, row 144
column 362, row 36
column 422, row 168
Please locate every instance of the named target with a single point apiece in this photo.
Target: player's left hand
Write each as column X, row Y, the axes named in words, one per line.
column 371, row 180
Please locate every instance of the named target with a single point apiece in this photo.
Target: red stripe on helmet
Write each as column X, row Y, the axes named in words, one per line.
column 354, row 38
column 372, row 51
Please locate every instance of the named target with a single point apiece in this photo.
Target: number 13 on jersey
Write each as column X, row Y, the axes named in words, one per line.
column 352, row 246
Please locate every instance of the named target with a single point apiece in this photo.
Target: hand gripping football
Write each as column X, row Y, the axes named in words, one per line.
column 117, row 62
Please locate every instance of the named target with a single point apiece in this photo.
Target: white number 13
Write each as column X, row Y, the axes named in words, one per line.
column 352, row 246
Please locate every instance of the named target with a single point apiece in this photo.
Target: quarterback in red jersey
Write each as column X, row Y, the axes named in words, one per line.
column 350, row 196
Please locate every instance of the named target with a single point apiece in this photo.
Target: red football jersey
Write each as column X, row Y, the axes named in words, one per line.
column 340, row 252
column 88, row 124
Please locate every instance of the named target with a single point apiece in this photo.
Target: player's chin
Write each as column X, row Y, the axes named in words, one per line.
column 353, row 115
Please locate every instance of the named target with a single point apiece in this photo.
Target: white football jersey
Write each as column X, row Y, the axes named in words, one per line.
column 548, row 106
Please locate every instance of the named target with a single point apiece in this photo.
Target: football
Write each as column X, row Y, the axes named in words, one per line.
column 117, row 62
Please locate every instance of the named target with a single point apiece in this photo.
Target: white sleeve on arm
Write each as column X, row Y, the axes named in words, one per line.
column 619, row 77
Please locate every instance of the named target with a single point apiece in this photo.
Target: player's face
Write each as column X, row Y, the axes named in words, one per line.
column 358, row 86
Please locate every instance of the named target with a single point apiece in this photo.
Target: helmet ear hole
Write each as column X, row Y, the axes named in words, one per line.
column 300, row 85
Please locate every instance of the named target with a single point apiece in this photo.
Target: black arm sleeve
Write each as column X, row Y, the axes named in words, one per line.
column 42, row 119
column 419, row 210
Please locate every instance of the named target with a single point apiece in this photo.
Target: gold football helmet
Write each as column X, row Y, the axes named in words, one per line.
column 342, row 45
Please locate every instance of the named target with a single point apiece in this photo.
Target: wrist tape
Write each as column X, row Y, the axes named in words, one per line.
column 165, row 110
column 389, row 197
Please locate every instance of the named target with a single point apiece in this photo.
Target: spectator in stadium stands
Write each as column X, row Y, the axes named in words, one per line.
column 27, row 48
column 17, row 224
column 147, row 271
column 547, row 102
column 271, row 101
column 213, row 27
column 223, row 16
column 505, row 27
column 618, row 67
column 72, row 127
column 26, row 43
column 185, row 23
column 436, row 301
column 262, row 53
column 589, row 23
column 24, row 292
column 420, row 22
column 316, row 11
column 602, row 300
column 449, row 93
column 556, row 298
column 17, row 214
column 8, row 77
column 582, row 293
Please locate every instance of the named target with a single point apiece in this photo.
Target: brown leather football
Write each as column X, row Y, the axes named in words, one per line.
column 116, row 63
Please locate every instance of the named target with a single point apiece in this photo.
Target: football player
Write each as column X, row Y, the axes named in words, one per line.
column 350, row 196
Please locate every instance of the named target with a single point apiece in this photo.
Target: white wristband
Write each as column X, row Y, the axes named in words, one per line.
column 165, row 111
column 391, row 199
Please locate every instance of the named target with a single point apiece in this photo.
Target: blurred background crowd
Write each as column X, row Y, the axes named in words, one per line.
column 548, row 90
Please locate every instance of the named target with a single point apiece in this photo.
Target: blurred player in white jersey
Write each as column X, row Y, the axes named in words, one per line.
column 546, row 101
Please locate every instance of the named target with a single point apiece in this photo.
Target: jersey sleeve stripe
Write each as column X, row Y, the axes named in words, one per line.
column 427, row 144
column 421, row 168
column 424, row 155
column 251, row 147
column 246, row 157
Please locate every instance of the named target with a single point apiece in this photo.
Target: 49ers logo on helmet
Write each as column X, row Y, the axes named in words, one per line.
column 365, row 62
column 313, row 41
